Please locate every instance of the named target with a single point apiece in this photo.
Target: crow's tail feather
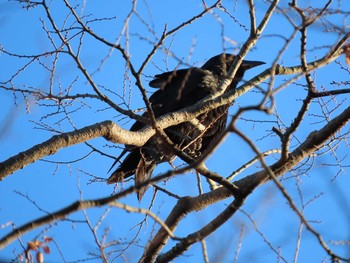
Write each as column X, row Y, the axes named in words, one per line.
column 134, row 163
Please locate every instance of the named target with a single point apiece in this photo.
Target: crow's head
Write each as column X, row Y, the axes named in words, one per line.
column 221, row 64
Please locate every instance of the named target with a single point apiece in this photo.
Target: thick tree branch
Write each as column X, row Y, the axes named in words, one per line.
column 52, row 145
column 197, row 236
column 248, row 184
column 186, row 205
column 114, row 133
column 74, row 33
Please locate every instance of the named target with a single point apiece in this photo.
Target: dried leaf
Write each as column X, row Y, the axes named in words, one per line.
column 346, row 49
column 39, row 257
column 33, row 245
column 46, row 249
column 47, row 239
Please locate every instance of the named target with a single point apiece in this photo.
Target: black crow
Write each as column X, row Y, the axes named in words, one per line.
column 176, row 90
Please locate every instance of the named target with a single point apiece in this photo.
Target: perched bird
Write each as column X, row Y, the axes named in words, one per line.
column 176, row 90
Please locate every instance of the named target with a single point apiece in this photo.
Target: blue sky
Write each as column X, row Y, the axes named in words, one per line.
column 56, row 186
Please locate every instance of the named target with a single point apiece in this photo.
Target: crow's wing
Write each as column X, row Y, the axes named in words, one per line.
column 177, row 90
column 162, row 81
column 181, row 89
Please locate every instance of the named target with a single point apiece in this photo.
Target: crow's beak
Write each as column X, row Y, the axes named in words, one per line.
column 246, row 64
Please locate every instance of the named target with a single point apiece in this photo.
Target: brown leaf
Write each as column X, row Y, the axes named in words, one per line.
column 346, row 49
column 46, row 249
column 39, row 257
column 47, row 239
column 33, row 245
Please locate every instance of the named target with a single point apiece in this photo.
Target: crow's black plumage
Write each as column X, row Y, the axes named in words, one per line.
column 176, row 90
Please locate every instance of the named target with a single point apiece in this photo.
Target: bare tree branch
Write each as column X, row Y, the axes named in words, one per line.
column 248, row 184
column 116, row 134
column 132, row 42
